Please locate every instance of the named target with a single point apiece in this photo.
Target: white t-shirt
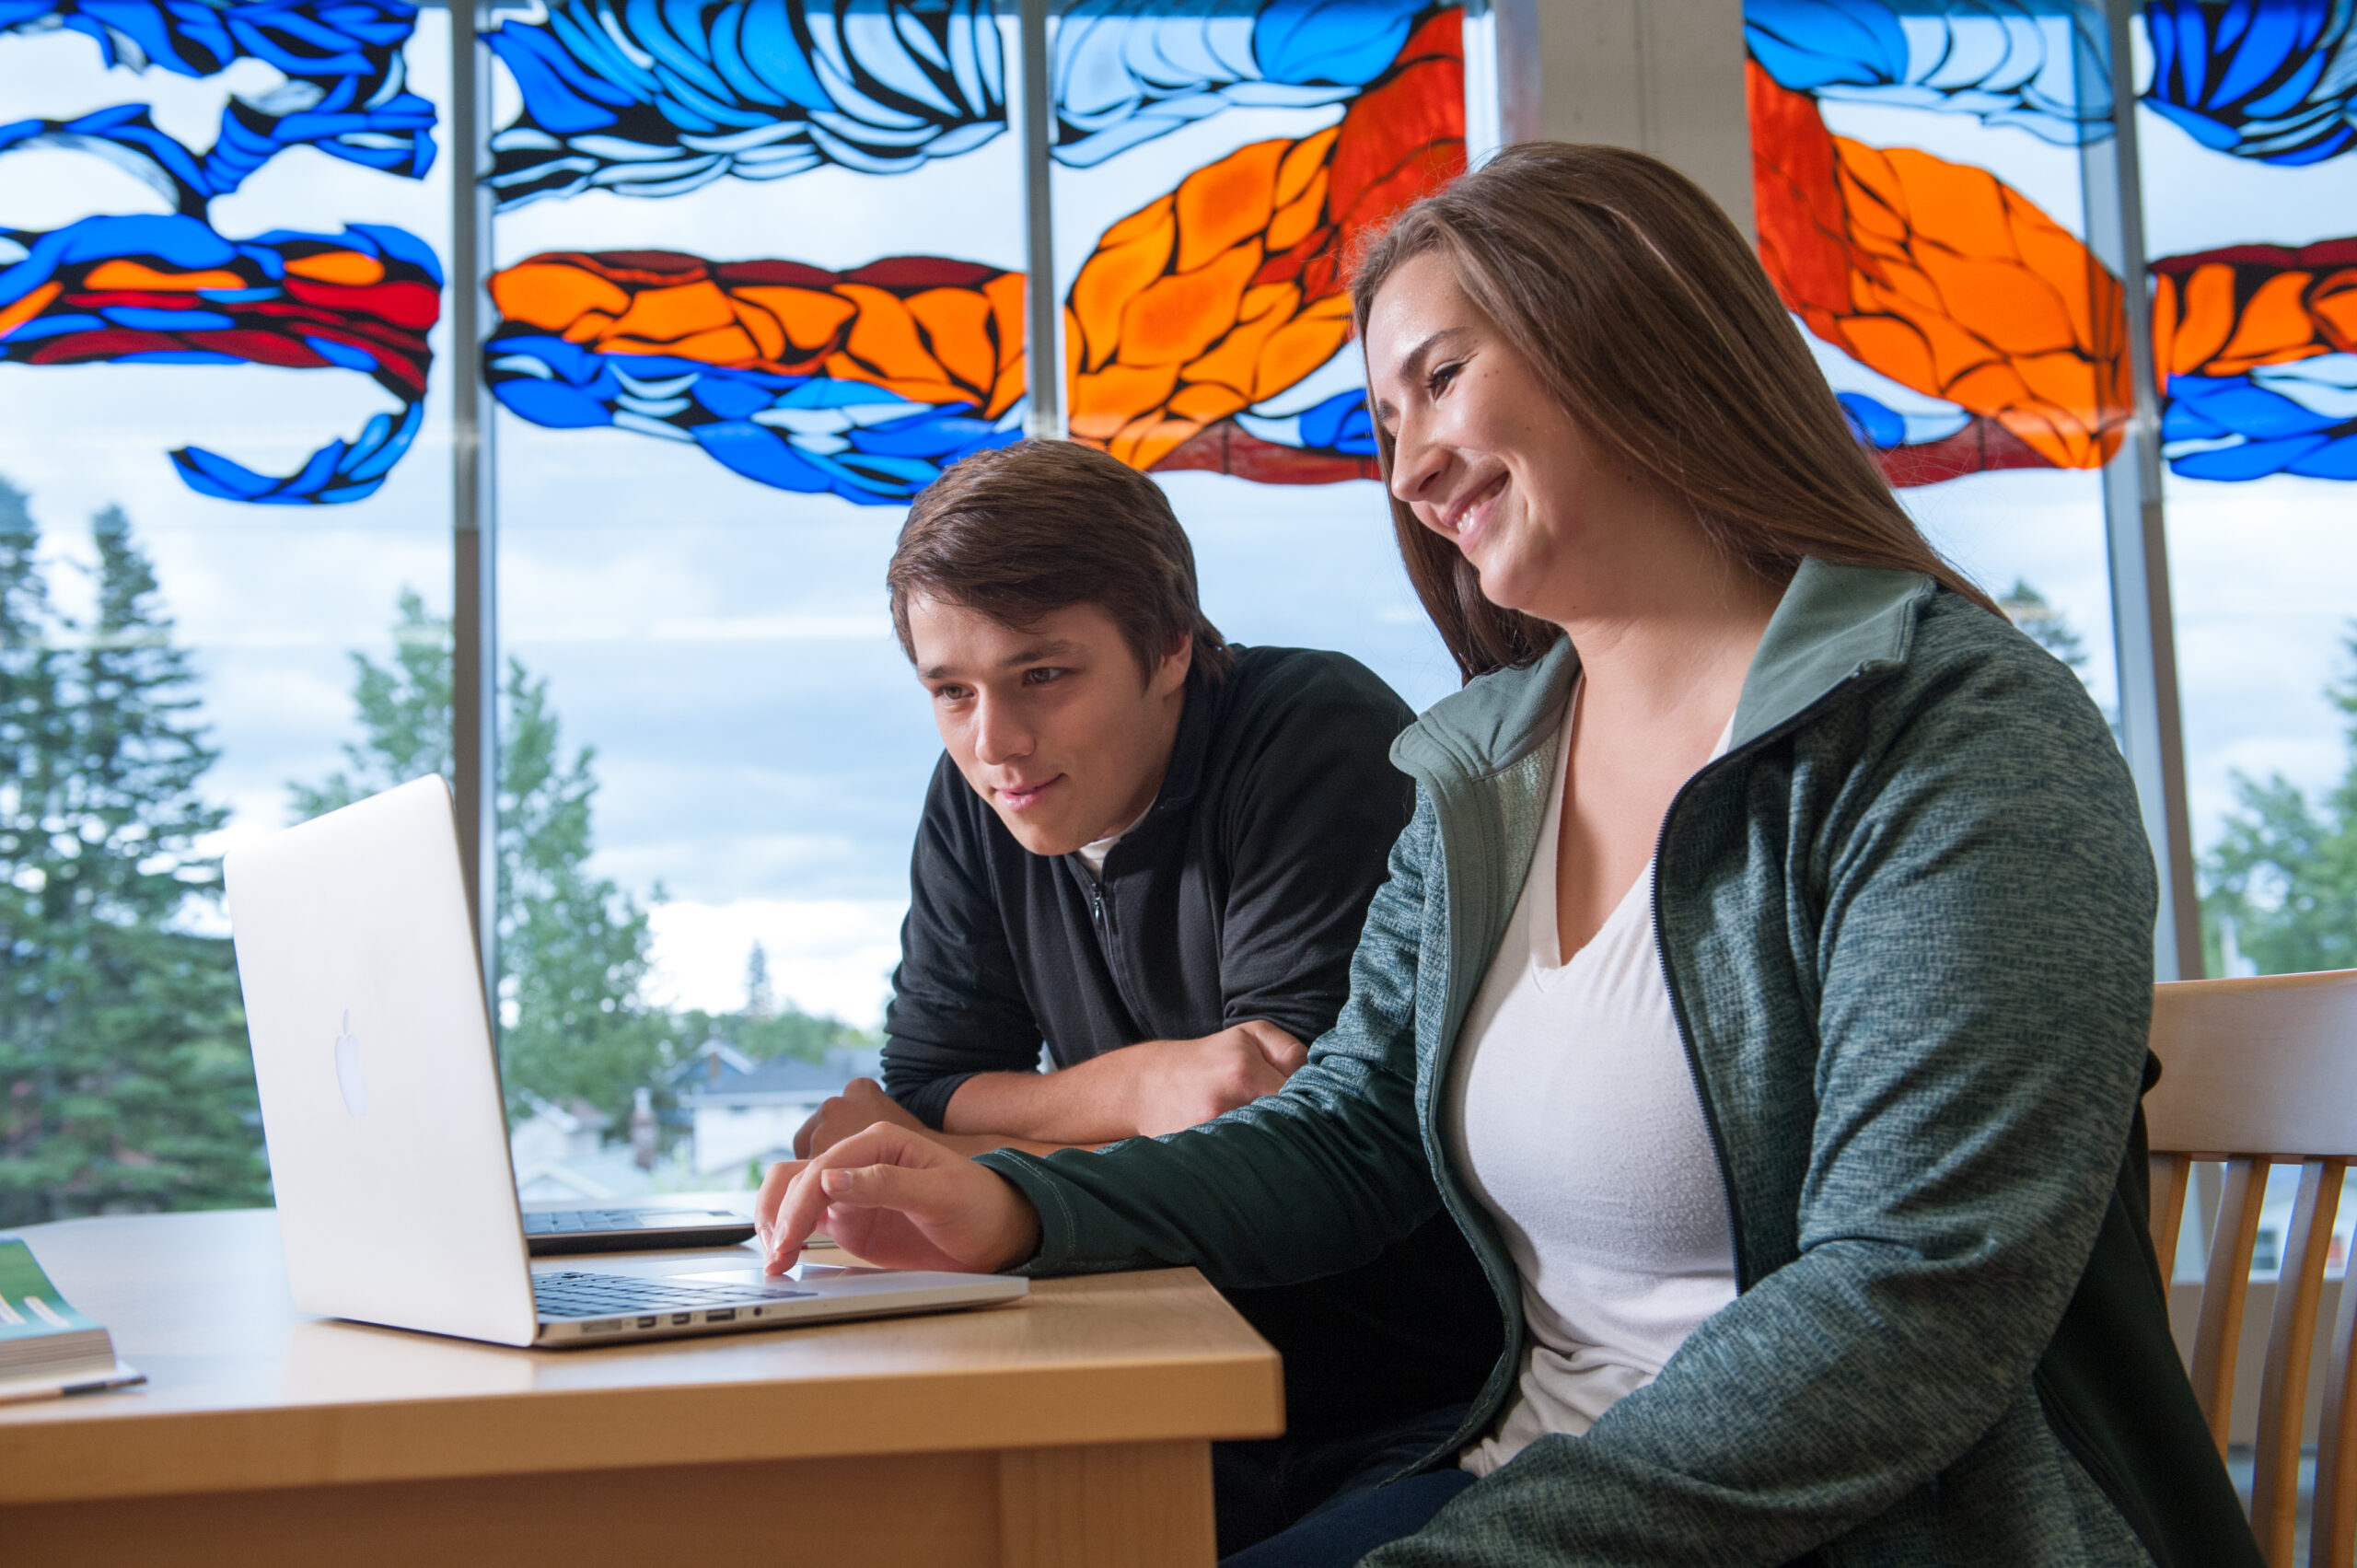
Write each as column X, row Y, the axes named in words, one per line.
column 1092, row 853
column 1573, row 1113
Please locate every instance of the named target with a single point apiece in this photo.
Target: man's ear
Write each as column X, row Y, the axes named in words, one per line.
column 1171, row 673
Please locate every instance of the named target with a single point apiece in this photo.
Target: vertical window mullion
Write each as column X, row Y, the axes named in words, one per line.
column 1044, row 365
column 474, row 705
column 2152, row 731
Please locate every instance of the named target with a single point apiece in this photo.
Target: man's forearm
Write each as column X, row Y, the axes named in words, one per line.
column 1088, row 1103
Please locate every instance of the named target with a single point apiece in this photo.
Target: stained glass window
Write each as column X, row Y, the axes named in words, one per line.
column 757, row 270
column 1920, row 208
column 2250, row 219
column 224, row 454
column 1212, row 167
column 759, row 275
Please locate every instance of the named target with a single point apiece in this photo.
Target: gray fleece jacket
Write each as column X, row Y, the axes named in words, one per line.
column 1906, row 921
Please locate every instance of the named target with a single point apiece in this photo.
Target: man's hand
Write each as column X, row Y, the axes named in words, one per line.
column 1178, row 1084
column 862, row 1104
column 897, row 1199
column 1155, row 1086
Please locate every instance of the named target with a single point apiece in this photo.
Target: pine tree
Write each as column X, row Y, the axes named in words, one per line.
column 2046, row 626
column 125, row 1060
column 404, row 710
column 572, row 948
column 761, row 997
column 2284, row 873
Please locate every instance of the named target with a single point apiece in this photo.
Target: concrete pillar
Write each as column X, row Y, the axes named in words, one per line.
column 1663, row 77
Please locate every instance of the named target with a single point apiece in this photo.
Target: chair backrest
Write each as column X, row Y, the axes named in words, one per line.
column 2260, row 1073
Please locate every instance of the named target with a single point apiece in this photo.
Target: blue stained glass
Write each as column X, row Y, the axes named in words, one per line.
column 652, row 99
column 343, row 92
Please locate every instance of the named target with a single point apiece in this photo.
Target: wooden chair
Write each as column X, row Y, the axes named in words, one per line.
column 2256, row 1073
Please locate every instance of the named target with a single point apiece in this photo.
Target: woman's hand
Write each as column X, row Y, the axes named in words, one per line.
column 897, row 1199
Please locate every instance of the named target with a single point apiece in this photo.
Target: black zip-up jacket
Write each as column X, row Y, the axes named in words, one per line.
column 1238, row 896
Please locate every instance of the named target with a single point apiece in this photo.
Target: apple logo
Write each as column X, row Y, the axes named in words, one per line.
column 347, row 1069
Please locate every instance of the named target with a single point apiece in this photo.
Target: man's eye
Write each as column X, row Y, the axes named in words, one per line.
column 948, row 694
column 1042, row 675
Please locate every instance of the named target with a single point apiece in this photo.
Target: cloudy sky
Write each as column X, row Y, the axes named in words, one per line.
column 761, row 747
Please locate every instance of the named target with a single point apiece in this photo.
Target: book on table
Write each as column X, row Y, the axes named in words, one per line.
column 46, row 1346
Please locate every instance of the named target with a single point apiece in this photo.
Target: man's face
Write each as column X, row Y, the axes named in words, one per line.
column 1053, row 724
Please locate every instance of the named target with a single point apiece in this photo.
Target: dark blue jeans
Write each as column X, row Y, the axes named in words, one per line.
column 1281, row 1484
column 1355, row 1523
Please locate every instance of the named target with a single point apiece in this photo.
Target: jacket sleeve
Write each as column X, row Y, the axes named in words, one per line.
column 957, row 1006
column 1298, row 1185
column 1310, row 822
column 1985, row 964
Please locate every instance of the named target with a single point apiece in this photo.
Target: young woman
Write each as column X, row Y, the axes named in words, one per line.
column 1762, row 984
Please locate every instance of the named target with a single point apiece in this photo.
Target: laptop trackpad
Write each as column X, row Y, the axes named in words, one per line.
column 804, row 1274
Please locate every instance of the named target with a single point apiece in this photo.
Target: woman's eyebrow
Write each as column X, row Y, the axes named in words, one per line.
column 1412, row 366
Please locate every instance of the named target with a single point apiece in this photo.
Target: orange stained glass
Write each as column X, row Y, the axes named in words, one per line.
column 346, row 267
column 121, row 273
column 1943, row 278
column 1229, row 289
column 932, row 331
column 2225, row 312
column 30, row 306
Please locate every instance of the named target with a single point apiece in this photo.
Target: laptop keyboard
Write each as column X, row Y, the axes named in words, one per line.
column 615, row 1296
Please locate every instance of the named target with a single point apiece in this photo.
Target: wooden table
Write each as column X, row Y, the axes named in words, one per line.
column 1071, row 1429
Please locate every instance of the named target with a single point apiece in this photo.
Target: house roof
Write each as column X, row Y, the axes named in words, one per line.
column 740, row 1081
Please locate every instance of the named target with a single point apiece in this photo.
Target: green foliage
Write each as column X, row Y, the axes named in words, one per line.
column 2284, row 873
column 762, row 1030
column 405, row 709
column 572, row 946
column 788, row 1033
column 2046, row 626
column 126, row 1082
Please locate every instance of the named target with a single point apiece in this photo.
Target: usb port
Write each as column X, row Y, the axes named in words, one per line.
column 646, row 1322
column 726, row 1315
column 683, row 1317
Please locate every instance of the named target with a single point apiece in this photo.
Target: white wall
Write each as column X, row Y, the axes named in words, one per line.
column 727, row 1136
column 1663, row 77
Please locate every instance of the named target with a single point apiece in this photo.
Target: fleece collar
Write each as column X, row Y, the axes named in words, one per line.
column 1833, row 622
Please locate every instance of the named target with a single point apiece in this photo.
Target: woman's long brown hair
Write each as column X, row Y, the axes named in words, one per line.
column 1641, row 307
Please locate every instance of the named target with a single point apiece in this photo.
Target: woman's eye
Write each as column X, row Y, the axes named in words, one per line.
column 1437, row 382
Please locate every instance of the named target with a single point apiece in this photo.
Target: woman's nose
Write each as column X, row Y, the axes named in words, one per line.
column 1417, row 462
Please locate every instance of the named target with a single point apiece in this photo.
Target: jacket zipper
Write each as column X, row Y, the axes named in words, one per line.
column 1685, row 1037
column 1669, row 975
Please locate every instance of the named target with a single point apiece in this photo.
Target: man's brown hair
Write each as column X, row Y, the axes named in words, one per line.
column 1023, row 531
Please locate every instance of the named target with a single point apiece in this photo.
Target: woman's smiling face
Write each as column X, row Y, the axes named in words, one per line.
column 1483, row 453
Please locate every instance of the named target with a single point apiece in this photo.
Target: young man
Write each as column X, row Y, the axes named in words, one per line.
column 1152, row 852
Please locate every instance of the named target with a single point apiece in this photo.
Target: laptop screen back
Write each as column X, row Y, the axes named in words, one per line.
column 380, row 1096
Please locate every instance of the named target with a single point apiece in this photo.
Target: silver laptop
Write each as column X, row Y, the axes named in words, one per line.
column 381, row 1105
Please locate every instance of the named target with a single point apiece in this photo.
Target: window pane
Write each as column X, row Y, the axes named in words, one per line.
column 2250, row 210
column 1920, row 209
column 1210, row 173
column 748, row 303
column 220, row 287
